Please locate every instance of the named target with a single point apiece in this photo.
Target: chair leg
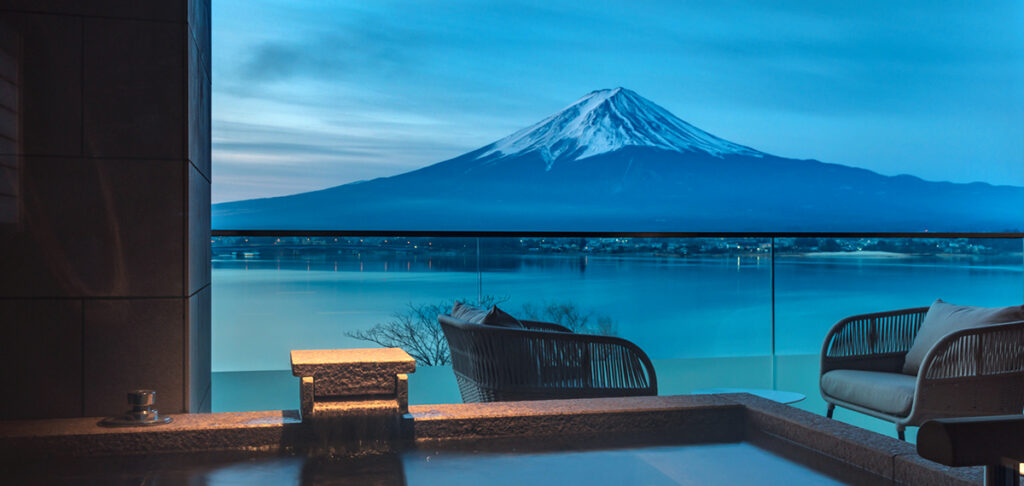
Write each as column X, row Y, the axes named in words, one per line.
column 899, row 432
column 831, row 409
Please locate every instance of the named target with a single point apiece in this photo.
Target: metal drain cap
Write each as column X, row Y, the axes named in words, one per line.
column 141, row 414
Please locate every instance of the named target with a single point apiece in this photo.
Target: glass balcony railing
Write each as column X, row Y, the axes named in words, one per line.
column 711, row 312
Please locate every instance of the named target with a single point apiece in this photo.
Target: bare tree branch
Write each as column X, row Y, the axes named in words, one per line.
column 568, row 314
column 417, row 331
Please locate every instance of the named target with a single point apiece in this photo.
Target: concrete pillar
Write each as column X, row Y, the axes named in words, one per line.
column 104, row 205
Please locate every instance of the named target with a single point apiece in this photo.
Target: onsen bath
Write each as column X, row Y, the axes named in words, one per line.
column 362, row 435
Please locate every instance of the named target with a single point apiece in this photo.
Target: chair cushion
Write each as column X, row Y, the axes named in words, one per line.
column 891, row 393
column 943, row 318
column 468, row 313
column 492, row 317
column 500, row 318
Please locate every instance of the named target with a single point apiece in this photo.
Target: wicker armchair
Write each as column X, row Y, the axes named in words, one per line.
column 543, row 361
column 971, row 372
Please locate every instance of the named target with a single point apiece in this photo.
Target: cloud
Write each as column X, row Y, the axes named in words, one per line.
column 285, row 148
column 338, row 48
column 274, row 62
column 253, row 160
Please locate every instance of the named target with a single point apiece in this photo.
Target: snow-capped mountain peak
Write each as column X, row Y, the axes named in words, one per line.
column 607, row 120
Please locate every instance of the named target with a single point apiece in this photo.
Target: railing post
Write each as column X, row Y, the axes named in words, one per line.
column 479, row 276
column 771, row 255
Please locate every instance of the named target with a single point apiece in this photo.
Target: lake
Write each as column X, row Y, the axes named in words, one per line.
column 705, row 322
column 673, row 308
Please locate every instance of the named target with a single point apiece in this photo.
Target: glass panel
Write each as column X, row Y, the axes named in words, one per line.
column 278, row 294
column 699, row 307
column 822, row 280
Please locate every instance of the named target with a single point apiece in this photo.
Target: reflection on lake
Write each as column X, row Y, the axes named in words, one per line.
column 694, row 307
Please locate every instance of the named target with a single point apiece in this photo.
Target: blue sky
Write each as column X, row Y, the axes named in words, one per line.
column 312, row 94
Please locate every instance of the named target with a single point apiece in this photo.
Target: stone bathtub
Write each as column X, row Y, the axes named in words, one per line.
column 370, row 436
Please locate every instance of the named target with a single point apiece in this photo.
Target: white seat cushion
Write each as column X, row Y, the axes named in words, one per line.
column 891, row 393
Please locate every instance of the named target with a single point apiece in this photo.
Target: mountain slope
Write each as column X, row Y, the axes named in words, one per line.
column 604, row 121
column 614, row 161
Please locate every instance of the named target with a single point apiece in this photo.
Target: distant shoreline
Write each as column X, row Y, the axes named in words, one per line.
column 856, row 254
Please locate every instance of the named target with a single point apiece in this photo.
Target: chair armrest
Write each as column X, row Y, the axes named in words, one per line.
column 618, row 363
column 972, row 441
column 502, row 363
column 544, row 326
column 607, row 362
column 878, row 341
column 977, row 371
column 978, row 352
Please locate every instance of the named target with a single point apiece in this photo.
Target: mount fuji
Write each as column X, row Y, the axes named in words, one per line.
column 608, row 120
column 614, row 161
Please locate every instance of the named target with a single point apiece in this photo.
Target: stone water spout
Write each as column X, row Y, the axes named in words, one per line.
column 354, row 399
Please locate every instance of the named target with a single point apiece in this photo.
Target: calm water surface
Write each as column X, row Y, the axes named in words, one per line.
column 673, row 308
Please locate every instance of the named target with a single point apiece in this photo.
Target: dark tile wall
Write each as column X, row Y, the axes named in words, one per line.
column 198, row 110
column 96, row 228
column 167, row 10
column 50, row 78
column 129, row 344
column 105, row 216
column 198, row 258
column 132, row 88
column 42, row 358
column 199, row 396
column 199, row 23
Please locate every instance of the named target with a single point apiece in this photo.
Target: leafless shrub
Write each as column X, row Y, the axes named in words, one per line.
column 568, row 314
column 416, row 330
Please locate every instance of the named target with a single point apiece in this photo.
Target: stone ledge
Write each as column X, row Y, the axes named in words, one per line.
column 885, row 456
column 852, row 445
column 914, row 469
column 340, row 372
column 689, row 418
column 305, row 362
column 556, row 423
column 188, row 432
column 574, row 406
